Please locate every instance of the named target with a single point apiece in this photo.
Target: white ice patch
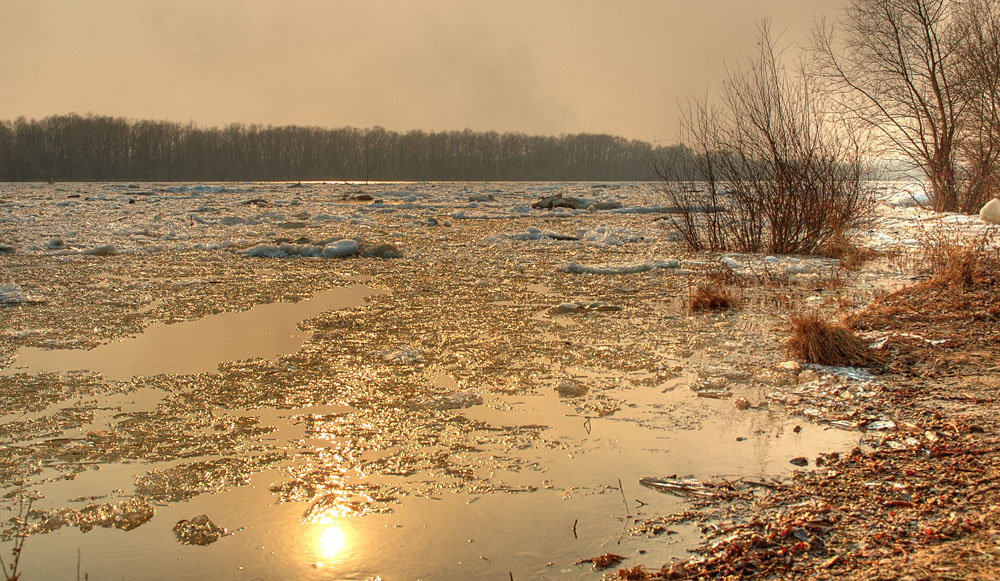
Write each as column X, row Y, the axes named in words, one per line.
column 576, row 268
column 340, row 249
column 283, row 251
column 536, row 234
column 907, row 199
column 609, row 237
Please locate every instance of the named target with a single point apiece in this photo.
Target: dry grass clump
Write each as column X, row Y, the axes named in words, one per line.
column 850, row 255
column 954, row 260
column 815, row 340
column 711, row 298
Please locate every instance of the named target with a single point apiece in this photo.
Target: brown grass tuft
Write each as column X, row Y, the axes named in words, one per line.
column 954, row 260
column 849, row 254
column 814, row 340
column 711, row 298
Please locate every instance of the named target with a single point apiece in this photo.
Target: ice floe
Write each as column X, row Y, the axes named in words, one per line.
column 576, row 268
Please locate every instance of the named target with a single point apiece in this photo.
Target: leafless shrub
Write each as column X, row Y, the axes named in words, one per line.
column 773, row 173
column 20, row 533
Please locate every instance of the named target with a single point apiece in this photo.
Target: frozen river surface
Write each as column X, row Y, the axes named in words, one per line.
column 354, row 381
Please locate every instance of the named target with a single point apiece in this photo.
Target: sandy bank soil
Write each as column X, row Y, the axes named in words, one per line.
column 920, row 499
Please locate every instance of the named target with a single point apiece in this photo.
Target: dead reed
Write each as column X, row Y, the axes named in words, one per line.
column 956, row 260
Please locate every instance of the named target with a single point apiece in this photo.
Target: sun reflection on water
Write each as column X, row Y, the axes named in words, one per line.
column 331, row 541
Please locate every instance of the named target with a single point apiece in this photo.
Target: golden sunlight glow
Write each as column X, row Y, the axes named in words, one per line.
column 331, row 542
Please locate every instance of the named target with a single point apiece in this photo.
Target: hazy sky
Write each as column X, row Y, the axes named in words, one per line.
column 537, row 66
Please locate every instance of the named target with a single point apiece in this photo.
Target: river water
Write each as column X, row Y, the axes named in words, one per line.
column 473, row 408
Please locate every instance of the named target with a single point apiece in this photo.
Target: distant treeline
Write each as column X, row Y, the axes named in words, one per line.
column 76, row 148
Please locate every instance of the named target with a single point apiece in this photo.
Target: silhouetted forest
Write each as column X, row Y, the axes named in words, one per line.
column 76, row 148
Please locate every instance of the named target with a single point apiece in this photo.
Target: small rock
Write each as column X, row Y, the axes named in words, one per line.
column 799, row 461
column 7, row 249
column 741, row 403
column 990, row 213
column 789, row 366
column 808, row 375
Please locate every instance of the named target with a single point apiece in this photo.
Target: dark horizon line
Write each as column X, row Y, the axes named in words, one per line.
column 209, row 127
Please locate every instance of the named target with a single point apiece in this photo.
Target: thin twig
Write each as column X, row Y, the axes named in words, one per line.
column 622, row 490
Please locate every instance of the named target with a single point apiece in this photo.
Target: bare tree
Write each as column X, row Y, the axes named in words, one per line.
column 901, row 67
column 781, row 175
column 979, row 133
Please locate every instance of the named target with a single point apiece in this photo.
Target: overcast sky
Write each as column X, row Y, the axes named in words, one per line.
column 537, row 66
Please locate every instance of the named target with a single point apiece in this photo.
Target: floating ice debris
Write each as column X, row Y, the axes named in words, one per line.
column 687, row 487
column 195, row 189
column 879, row 425
column 536, row 234
column 907, row 199
column 381, row 251
column 199, row 531
column 282, row 251
column 609, row 237
column 453, row 401
column 855, row 373
column 341, row 249
column 125, row 515
column 404, row 356
column 596, row 306
column 570, row 388
column 576, row 268
column 879, row 341
column 106, row 250
column 338, row 249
